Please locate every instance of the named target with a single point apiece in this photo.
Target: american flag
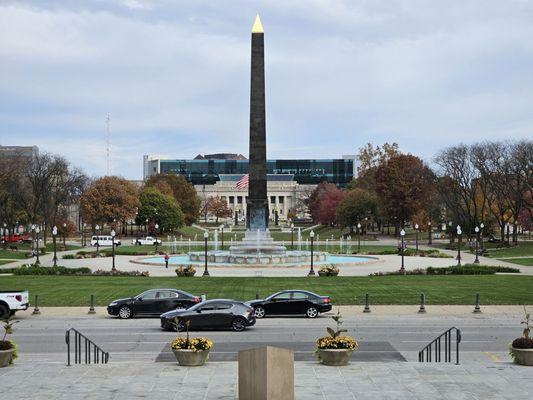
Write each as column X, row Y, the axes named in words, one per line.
column 243, row 182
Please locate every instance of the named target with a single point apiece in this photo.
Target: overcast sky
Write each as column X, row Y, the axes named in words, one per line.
column 174, row 76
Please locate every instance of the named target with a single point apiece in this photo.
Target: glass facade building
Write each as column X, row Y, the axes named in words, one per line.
column 206, row 172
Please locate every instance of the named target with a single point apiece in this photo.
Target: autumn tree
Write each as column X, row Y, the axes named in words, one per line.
column 404, row 185
column 218, row 207
column 158, row 208
column 109, row 199
column 323, row 203
column 357, row 205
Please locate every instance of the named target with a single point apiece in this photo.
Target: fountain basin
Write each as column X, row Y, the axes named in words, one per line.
column 257, row 258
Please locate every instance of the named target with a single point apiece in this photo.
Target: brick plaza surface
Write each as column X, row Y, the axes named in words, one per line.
column 27, row 380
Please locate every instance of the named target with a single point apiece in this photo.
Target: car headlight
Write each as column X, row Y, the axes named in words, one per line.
column 113, row 303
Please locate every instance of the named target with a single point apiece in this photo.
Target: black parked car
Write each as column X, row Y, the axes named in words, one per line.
column 153, row 302
column 291, row 302
column 211, row 314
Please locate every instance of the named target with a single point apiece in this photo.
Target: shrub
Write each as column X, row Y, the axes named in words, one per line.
column 185, row 270
column 69, row 257
column 102, row 272
column 35, row 270
column 470, row 269
column 416, row 271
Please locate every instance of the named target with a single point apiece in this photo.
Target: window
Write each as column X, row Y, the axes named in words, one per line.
column 299, row 296
column 282, row 296
column 167, row 294
column 231, row 199
column 150, row 295
column 281, row 199
column 239, row 199
column 208, row 307
column 273, row 199
column 223, row 306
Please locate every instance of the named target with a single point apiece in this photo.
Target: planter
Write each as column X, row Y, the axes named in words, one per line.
column 334, row 357
column 5, row 357
column 320, row 273
column 189, row 358
column 523, row 356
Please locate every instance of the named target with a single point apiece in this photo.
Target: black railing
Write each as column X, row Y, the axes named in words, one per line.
column 83, row 349
column 432, row 352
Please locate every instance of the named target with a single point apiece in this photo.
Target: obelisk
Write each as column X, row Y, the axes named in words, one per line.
column 257, row 204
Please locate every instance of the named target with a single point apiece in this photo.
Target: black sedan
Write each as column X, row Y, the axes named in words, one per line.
column 211, row 314
column 153, row 302
column 291, row 302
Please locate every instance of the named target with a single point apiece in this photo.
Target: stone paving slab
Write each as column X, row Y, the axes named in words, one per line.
column 357, row 381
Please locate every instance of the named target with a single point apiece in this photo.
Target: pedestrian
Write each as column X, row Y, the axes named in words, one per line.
column 166, row 260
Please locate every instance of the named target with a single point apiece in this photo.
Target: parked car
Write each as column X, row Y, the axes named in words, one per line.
column 211, row 314
column 13, row 301
column 291, row 302
column 153, row 302
column 17, row 238
column 103, row 240
column 146, row 241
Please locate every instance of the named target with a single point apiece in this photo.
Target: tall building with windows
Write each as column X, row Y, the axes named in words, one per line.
column 289, row 182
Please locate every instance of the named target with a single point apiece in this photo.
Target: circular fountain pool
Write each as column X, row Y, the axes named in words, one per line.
column 184, row 259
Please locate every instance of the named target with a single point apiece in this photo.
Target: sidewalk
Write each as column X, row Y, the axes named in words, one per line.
column 360, row 381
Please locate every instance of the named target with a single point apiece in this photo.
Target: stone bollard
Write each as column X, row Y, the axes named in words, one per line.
column 367, row 305
column 422, row 308
column 203, row 297
column 266, row 373
column 36, row 310
column 257, row 296
column 91, row 307
column 477, row 308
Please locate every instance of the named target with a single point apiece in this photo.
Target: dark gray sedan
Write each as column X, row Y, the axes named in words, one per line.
column 211, row 314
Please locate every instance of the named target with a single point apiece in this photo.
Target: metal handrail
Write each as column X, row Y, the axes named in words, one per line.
column 435, row 347
column 99, row 356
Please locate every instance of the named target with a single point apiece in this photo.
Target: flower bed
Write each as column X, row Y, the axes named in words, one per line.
column 194, row 344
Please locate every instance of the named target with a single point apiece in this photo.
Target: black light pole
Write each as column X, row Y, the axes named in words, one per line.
column 83, row 239
column 358, row 237
column 206, row 236
column 113, row 233
column 292, row 236
column 416, row 238
column 451, row 232
column 97, row 227
column 312, row 236
column 64, row 235
column 476, row 261
column 430, row 238
column 4, row 236
column 459, row 232
column 37, row 230
column 54, row 235
column 222, row 229
column 402, row 234
column 481, row 226
column 155, row 237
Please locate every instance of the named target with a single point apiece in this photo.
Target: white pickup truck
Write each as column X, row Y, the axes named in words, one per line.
column 13, row 301
column 146, row 241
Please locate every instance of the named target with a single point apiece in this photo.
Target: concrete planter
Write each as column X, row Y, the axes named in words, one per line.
column 189, row 358
column 523, row 356
column 334, row 357
column 5, row 357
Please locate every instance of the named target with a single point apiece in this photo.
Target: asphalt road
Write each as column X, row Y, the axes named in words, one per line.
column 380, row 337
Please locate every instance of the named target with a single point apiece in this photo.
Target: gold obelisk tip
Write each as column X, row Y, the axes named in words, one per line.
column 258, row 26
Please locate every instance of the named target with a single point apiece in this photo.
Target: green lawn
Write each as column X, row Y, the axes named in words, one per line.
column 523, row 249
column 13, row 255
column 75, row 290
column 528, row 261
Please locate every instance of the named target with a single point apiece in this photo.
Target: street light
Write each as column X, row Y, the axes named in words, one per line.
column 402, row 235
column 64, row 235
column 430, row 241
column 292, row 236
column 358, row 237
column 476, row 261
column 481, row 226
column 97, row 227
column 206, row 236
column 54, row 234
column 37, row 230
column 155, row 236
column 4, row 236
column 451, row 232
column 312, row 236
column 459, row 232
column 83, row 240
column 416, row 238
column 113, row 233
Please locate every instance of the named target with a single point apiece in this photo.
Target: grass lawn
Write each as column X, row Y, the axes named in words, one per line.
column 528, row 261
column 523, row 249
column 75, row 290
column 13, row 255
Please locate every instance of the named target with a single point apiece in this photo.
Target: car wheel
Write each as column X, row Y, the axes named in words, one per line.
column 238, row 324
column 179, row 326
column 259, row 312
column 311, row 312
column 125, row 312
column 4, row 311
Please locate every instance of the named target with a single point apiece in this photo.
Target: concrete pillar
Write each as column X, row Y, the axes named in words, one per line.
column 266, row 373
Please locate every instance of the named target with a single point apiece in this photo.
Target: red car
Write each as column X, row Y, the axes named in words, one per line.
column 17, row 238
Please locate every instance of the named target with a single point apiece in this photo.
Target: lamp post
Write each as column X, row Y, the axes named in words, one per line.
column 416, row 238
column 312, row 236
column 4, row 236
column 54, row 235
column 430, row 239
column 64, row 235
column 113, row 233
column 37, row 230
column 146, row 226
column 459, row 232
column 222, row 229
column 451, row 232
column 358, row 237
column 206, row 236
column 97, row 227
column 402, row 235
column 83, row 239
column 476, row 261
column 292, row 236
column 155, row 237
column 481, row 226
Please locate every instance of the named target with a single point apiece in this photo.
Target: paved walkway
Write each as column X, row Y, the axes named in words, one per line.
column 357, row 381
